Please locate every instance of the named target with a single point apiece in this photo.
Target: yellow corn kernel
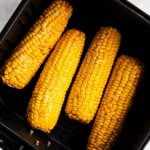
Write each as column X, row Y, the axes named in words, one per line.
column 91, row 79
column 36, row 45
column 115, row 103
column 49, row 93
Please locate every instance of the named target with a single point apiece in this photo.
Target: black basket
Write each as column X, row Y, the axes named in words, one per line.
column 88, row 16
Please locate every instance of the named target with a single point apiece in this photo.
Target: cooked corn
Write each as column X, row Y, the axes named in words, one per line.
column 91, row 79
column 36, row 45
column 115, row 103
column 49, row 93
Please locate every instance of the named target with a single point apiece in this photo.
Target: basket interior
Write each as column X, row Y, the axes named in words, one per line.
column 88, row 16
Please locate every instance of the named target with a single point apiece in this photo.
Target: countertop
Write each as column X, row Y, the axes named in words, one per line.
column 7, row 7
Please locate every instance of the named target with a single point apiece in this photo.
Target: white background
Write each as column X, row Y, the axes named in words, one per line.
column 142, row 4
column 7, row 7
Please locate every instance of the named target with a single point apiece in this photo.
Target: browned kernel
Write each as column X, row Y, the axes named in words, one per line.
column 36, row 45
column 49, row 93
column 91, row 79
column 106, row 127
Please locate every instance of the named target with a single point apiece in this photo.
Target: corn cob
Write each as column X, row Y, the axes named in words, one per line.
column 49, row 93
column 115, row 103
column 89, row 84
column 36, row 45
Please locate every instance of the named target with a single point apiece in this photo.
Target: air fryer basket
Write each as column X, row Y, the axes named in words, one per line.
column 71, row 135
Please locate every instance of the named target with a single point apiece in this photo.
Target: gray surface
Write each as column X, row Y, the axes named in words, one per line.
column 143, row 5
column 7, row 7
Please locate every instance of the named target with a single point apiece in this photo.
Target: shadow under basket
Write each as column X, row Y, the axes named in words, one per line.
column 88, row 16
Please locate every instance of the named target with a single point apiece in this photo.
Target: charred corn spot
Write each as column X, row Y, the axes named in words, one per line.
column 36, row 45
column 49, row 93
column 93, row 74
column 115, row 103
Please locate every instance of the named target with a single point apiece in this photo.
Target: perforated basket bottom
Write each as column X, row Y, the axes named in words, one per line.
column 67, row 134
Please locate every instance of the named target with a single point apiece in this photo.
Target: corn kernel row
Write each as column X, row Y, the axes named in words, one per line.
column 116, row 101
column 50, row 90
column 27, row 57
column 91, row 79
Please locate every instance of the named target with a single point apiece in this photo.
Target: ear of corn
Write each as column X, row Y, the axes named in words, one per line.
column 36, row 45
column 89, row 84
column 49, row 93
column 116, row 101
